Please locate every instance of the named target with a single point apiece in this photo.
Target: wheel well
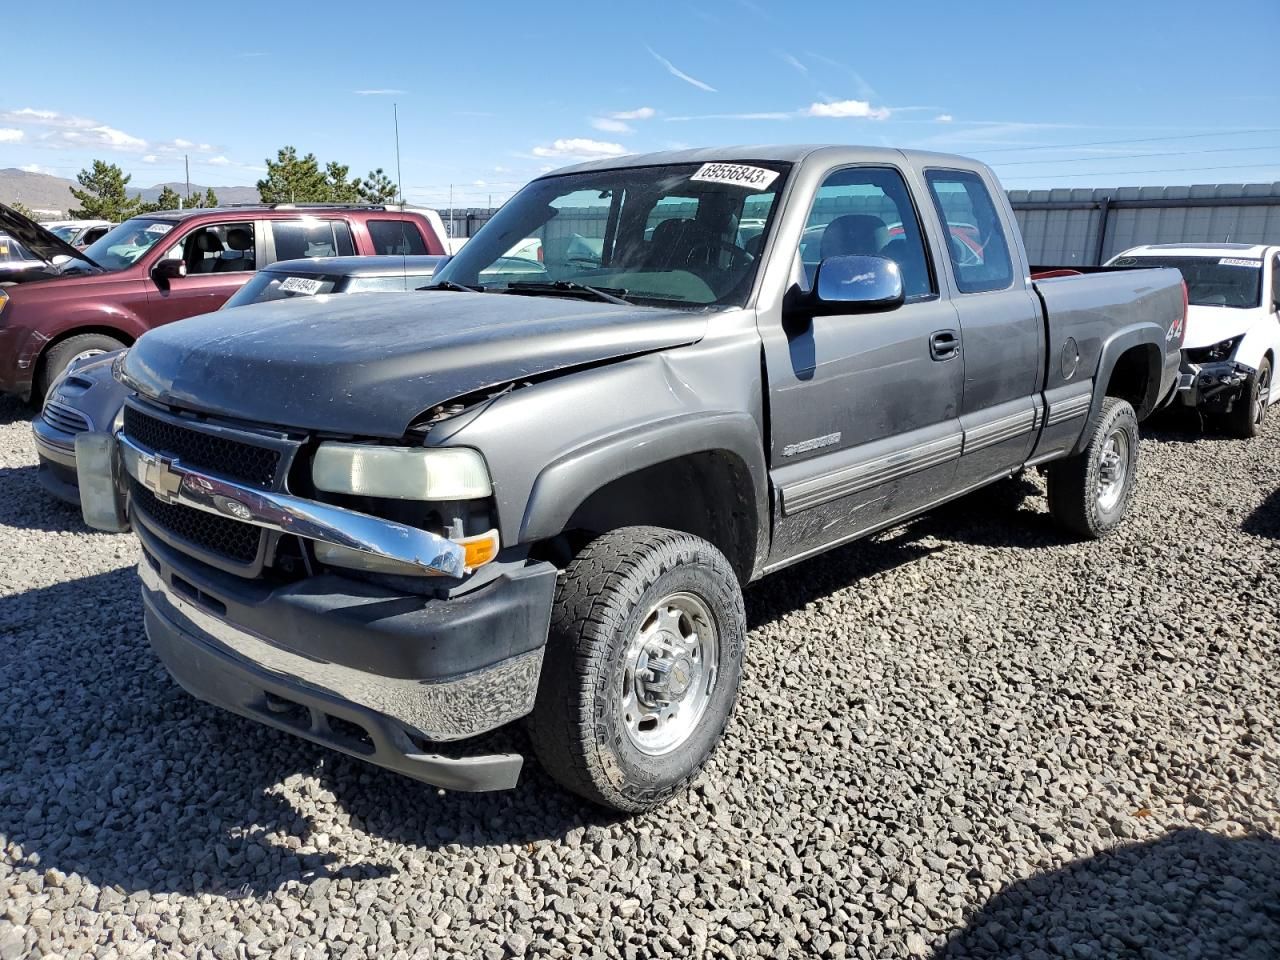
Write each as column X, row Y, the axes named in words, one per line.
column 1136, row 378
column 709, row 494
column 77, row 332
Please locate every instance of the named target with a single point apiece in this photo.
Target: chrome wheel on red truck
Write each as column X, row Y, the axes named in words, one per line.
column 642, row 667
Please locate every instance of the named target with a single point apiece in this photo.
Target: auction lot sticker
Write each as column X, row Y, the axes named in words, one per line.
column 736, row 175
column 304, row 285
column 1238, row 262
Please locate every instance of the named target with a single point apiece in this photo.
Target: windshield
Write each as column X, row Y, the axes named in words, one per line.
column 270, row 285
column 121, row 246
column 680, row 235
column 1211, row 281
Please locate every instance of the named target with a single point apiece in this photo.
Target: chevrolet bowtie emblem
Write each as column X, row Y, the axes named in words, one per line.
column 157, row 475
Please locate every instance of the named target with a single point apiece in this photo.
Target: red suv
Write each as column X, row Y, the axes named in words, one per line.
column 160, row 267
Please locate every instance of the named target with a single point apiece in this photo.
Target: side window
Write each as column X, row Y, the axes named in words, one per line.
column 975, row 237
column 396, row 238
column 219, row 248
column 309, row 237
column 92, row 235
column 371, row 284
column 867, row 211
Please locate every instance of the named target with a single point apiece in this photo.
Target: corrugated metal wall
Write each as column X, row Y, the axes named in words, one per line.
column 1088, row 227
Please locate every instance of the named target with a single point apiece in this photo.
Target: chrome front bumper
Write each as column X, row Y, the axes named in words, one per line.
column 103, row 460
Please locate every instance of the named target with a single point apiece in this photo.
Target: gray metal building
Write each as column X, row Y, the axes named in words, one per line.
column 1087, row 227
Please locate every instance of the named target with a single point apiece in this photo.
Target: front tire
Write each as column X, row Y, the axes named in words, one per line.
column 1089, row 494
column 1248, row 413
column 62, row 355
column 642, row 667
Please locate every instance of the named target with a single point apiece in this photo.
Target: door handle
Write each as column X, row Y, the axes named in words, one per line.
column 944, row 344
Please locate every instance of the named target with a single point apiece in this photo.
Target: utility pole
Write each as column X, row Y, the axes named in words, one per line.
column 186, row 162
column 451, row 211
column 395, row 113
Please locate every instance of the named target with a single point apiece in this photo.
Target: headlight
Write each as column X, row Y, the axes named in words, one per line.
column 401, row 473
column 1221, row 350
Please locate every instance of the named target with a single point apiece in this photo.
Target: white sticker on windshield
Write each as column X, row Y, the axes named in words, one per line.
column 1237, row 262
column 736, row 175
column 159, row 228
column 304, row 285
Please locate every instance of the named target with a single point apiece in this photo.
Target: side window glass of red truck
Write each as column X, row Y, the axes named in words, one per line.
column 867, row 211
column 310, row 237
column 975, row 238
column 396, row 238
column 220, row 248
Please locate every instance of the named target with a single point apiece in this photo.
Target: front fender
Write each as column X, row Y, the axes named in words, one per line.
column 564, row 484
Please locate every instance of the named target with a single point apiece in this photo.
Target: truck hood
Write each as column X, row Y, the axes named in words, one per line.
column 370, row 364
column 36, row 238
column 1209, row 325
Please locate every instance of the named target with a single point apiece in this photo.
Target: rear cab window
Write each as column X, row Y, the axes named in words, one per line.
column 975, row 237
column 396, row 238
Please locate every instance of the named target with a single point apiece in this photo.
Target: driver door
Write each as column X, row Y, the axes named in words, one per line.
column 864, row 407
column 215, row 271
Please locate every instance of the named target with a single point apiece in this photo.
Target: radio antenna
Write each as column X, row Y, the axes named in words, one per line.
column 395, row 113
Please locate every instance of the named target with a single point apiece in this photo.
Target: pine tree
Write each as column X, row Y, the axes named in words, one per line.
column 105, row 194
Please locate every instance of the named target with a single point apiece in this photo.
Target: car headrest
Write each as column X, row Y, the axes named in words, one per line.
column 854, row 234
column 208, row 242
column 239, row 239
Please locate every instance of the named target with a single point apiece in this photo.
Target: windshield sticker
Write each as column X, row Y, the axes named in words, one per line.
column 160, row 229
column 1236, row 262
column 304, row 285
column 736, row 175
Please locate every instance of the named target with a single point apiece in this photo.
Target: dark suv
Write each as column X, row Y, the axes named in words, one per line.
column 160, row 267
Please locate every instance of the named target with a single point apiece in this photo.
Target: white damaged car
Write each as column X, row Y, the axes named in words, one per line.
column 1233, row 326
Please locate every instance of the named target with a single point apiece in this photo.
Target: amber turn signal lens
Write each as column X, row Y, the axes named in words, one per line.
column 479, row 549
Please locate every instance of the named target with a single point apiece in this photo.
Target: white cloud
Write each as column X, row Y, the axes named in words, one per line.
column 111, row 137
column 794, row 62
column 183, row 144
column 640, row 113
column 219, row 161
column 65, row 131
column 580, row 147
column 34, row 168
column 379, row 92
column 843, row 109
column 150, row 158
column 10, row 135
column 944, row 118
column 616, row 122
column 609, row 125
column 680, row 74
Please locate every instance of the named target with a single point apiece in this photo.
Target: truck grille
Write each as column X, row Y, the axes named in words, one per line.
column 221, row 536
column 233, row 459
column 65, row 419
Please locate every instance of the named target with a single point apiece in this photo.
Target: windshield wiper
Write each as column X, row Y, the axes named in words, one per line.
column 452, row 285
column 605, row 294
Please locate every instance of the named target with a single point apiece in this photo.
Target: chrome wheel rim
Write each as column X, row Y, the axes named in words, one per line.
column 86, row 354
column 669, row 673
column 1113, row 469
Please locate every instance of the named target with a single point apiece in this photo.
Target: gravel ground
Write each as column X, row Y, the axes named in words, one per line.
column 967, row 737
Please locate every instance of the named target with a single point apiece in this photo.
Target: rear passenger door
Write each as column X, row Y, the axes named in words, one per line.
column 219, row 258
column 863, row 407
column 1000, row 322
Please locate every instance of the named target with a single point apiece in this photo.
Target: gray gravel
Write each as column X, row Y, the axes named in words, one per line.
column 966, row 737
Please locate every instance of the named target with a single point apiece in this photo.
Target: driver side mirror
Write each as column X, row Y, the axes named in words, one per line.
column 169, row 270
column 855, row 284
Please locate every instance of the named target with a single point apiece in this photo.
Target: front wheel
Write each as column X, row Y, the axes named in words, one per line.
column 1089, row 494
column 62, row 355
column 1248, row 412
column 642, row 667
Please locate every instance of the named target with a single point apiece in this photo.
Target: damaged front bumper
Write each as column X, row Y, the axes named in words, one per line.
column 1214, row 385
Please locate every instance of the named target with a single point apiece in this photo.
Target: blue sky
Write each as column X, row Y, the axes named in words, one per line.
column 489, row 95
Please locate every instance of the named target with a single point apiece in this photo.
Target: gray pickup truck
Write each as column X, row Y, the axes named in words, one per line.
column 391, row 524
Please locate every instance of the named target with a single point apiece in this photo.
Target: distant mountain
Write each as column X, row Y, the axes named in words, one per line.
column 43, row 192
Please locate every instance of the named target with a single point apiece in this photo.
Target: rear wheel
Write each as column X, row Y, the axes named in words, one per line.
column 62, row 355
column 1248, row 412
column 642, row 667
column 1089, row 493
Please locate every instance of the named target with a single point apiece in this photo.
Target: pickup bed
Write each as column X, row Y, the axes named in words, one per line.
column 391, row 525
